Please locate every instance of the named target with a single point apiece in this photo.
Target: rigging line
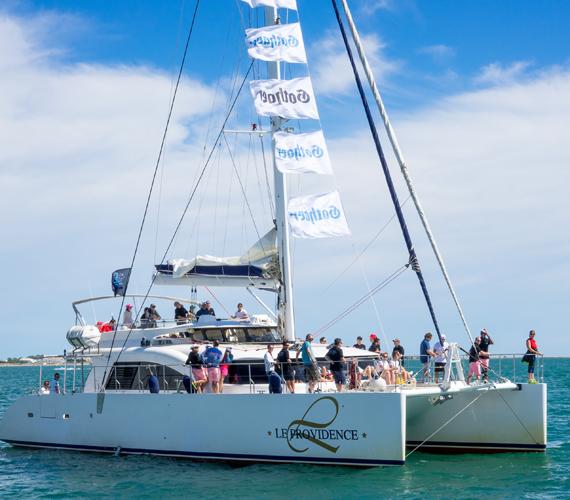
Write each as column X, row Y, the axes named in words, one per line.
column 156, row 167
column 391, row 188
column 243, row 191
column 374, row 306
column 191, row 197
column 365, row 249
column 446, row 423
column 403, row 167
column 363, row 299
column 217, row 300
column 517, row 417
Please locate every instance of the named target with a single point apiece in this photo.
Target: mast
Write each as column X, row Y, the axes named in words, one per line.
column 413, row 259
column 285, row 296
column 401, row 161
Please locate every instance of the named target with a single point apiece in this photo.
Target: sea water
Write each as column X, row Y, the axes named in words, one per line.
column 64, row 474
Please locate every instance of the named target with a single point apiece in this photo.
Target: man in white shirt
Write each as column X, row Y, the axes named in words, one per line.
column 241, row 313
column 440, row 349
column 269, row 360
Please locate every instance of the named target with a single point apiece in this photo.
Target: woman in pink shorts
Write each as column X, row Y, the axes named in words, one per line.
column 199, row 373
column 474, row 361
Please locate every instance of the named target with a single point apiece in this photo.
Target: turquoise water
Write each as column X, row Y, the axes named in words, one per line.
column 63, row 474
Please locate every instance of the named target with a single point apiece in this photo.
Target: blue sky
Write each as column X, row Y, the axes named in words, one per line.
column 479, row 93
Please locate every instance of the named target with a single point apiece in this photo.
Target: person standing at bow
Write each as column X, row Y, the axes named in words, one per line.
column 531, row 353
column 484, row 344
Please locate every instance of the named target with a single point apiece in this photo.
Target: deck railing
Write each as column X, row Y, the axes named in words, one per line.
column 75, row 373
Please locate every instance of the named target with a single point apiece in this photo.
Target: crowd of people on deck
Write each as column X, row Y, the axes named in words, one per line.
column 211, row 366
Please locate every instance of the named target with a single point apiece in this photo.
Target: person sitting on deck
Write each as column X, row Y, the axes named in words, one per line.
column 45, row 388
column 108, row 327
column 401, row 375
column 180, row 313
column 386, row 369
column 241, row 313
column 205, row 309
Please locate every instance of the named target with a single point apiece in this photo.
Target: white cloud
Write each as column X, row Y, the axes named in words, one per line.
column 81, row 140
column 370, row 7
column 331, row 71
column 497, row 74
column 438, row 53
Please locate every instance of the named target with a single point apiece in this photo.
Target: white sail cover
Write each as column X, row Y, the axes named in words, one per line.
column 281, row 42
column 317, row 216
column 302, row 153
column 259, row 255
column 284, row 4
column 285, row 98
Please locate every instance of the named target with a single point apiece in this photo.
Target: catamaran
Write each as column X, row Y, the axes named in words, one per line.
column 138, row 394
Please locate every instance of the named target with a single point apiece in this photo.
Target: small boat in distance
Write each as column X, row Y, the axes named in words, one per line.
column 143, row 392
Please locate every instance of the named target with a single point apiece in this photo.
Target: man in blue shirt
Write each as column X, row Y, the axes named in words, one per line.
column 211, row 357
column 425, row 353
column 309, row 362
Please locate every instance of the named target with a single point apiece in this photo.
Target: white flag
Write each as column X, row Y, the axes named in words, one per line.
column 286, row 98
column 317, row 216
column 302, row 153
column 281, row 42
column 284, row 4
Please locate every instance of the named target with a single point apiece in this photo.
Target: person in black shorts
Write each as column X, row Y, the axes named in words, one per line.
column 286, row 367
column 338, row 364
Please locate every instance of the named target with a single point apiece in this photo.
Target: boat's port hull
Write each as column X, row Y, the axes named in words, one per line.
column 505, row 419
column 354, row 429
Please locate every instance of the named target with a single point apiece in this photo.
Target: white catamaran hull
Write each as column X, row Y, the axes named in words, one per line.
column 510, row 417
column 348, row 429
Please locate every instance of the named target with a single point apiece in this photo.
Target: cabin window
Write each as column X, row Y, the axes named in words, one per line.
column 263, row 335
column 134, row 377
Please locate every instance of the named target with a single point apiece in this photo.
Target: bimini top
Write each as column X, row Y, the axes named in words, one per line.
column 257, row 268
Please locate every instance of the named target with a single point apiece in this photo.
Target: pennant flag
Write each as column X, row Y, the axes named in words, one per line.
column 284, row 4
column 302, row 153
column 281, row 42
column 317, row 216
column 120, row 280
column 286, row 98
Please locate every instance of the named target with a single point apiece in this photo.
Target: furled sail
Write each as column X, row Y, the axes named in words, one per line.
column 257, row 267
column 284, row 4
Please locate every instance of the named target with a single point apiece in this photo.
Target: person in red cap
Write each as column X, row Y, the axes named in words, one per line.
column 375, row 343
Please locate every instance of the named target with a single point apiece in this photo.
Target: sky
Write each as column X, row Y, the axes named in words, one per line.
column 478, row 93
